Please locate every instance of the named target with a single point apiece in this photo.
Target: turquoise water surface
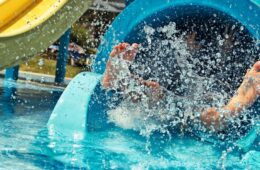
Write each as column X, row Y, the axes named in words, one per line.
column 25, row 142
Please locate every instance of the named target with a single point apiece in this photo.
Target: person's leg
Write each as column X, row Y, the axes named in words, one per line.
column 246, row 95
column 111, row 73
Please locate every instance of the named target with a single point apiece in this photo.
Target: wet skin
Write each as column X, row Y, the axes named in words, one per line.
column 246, row 95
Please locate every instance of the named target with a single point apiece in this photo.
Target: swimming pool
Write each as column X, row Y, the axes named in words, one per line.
column 25, row 142
column 23, row 113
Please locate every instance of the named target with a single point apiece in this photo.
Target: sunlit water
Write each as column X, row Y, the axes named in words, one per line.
column 24, row 111
column 157, row 136
column 25, row 142
column 194, row 73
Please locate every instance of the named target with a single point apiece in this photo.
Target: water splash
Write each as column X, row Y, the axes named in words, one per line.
column 194, row 75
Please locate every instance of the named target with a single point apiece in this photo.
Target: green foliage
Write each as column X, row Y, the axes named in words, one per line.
column 82, row 35
column 41, row 64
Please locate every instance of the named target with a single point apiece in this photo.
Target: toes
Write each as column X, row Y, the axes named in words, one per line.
column 131, row 53
column 119, row 49
column 123, row 48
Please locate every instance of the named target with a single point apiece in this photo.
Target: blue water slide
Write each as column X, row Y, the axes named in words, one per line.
column 127, row 25
column 82, row 107
column 83, row 95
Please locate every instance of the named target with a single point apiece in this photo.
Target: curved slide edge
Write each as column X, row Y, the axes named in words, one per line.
column 70, row 112
column 81, row 108
column 20, row 17
column 14, row 49
column 9, row 10
column 247, row 12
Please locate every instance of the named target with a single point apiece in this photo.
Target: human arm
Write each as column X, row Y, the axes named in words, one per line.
column 246, row 95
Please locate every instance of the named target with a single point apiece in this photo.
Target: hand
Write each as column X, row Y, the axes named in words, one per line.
column 229, row 38
column 211, row 118
column 253, row 77
column 193, row 46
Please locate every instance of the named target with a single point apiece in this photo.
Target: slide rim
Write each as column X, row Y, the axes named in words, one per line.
column 19, row 48
column 139, row 10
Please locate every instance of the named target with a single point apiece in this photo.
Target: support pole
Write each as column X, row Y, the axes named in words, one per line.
column 62, row 57
column 12, row 73
column 9, row 89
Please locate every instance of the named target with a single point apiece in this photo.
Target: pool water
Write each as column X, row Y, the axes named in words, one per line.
column 24, row 111
column 25, row 142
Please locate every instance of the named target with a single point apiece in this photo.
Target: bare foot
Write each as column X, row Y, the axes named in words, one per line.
column 247, row 94
column 127, row 53
column 111, row 77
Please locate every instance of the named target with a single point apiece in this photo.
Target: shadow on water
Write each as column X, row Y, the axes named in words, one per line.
column 23, row 98
column 25, row 109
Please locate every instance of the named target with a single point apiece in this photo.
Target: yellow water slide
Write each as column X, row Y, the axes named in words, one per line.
column 30, row 26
